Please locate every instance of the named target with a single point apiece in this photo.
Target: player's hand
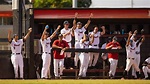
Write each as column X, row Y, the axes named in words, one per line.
column 135, row 32
column 130, row 33
column 58, row 27
column 103, row 27
column 119, row 47
column 9, row 31
column 68, row 33
column 46, row 27
column 76, row 14
column 91, row 15
column 30, row 30
column 143, row 36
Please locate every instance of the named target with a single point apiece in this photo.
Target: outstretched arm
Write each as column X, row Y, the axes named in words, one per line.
column 74, row 21
column 135, row 32
column 46, row 27
column 89, row 21
column 9, row 36
column 128, row 40
column 54, row 34
column 103, row 32
column 27, row 35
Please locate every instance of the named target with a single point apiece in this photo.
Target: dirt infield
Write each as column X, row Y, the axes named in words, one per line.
column 75, row 81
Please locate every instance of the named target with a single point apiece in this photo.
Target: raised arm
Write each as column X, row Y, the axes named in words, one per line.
column 9, row 36
column 103, row 32
column 27, row 35
column 89, row 21
column 46, row 27
column 128, row 40
column 54, row 34
column 74, row 21
column 135, row 32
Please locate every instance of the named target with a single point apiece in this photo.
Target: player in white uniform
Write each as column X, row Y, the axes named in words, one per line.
column 94, row 55
column 67, row 36
column 46, row 56
column 16, row 56
column 79, row 32
column 130, row 50
column 137, row 44
column 84, row 56
column 146, row 68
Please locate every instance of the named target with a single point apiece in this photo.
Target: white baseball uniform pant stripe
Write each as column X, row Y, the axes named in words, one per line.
column 76, row 58
column 137, row 60
column 46, row 65
column 94, row 56
column 60, row 63
column 84, row 60
column 113, row 66
column 131, row 62
column 146, row 70
column 17, row 61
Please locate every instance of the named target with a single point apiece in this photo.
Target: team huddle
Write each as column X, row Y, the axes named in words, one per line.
column 83, row 40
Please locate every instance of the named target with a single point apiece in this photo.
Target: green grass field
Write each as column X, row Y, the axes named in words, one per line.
column 100, row 81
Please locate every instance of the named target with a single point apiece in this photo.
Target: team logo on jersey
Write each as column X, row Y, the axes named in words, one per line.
column 16, row 45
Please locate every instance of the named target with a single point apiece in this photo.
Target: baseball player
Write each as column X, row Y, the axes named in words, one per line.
column 67, row 36
column 62, row 45
column 16, row 56
column 113, row 57
column 84, row 56
column 146, row 68
column 137, row 44
column 46, row 56
column 93, row 55
column 131, row 50
column 79, row 32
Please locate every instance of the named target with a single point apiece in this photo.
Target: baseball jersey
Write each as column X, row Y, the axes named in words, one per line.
column 16, row 47
column 104, row 46
column 96, row 38
column 85, row 44
column 46, row 45
column 130, row 51
column 148, row 60
column 63, row 44
column 68, row 38
column 79, row 32
column 115, row 46
column 137, row 48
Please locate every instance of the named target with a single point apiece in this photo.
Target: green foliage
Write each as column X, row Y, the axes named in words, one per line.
column 52, row 3
column 59, row 3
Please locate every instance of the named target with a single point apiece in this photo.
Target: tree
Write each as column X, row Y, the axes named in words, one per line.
column 59, row 3
column 52, row 3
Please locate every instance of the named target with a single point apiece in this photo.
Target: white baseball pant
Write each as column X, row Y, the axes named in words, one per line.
column 76, row 58
column 94, row 56
column 46, row 57
column 68, row 54
column 60, row 63
column 17, row 61
column 146, row 70
column 131, row 62
column 84, row 60
column 137, row 60
column 113, row 66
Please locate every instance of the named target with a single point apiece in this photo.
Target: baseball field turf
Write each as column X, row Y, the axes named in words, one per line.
column 100, row 81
